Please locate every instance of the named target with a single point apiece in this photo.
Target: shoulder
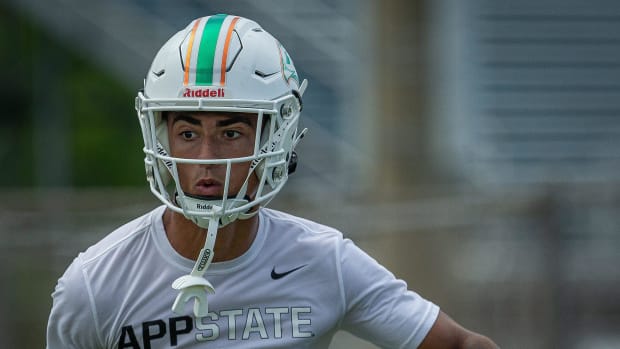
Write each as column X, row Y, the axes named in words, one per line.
column 287, row 230
column 295, row 224
column 300, row 238
column 100, row 256
column 122, row 237
column 74, row 317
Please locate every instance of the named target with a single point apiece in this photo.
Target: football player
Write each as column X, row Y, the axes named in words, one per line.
column 212, row 267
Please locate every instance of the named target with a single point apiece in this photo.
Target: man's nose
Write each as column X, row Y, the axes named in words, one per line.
column 209, row 149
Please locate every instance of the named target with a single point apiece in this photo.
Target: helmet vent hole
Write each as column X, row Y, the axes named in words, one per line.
column 258, row 30
column 264, row 75
column 159, row 73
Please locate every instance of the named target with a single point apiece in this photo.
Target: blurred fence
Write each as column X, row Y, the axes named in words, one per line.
column 530, row 268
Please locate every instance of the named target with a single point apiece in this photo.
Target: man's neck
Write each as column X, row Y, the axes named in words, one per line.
column 187, row 238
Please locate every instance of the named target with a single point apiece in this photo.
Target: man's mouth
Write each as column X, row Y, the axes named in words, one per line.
column 208, row 187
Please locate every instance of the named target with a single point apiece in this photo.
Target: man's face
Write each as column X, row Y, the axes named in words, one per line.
column 208, row 136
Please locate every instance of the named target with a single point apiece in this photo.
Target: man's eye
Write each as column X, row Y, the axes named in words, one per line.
column 231, row 134
column 188, row 134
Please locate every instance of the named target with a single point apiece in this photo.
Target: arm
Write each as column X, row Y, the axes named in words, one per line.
column 379, row 307
column 383, row 311
column 447, row 333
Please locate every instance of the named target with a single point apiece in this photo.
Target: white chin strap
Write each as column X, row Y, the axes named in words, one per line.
column 189, row 203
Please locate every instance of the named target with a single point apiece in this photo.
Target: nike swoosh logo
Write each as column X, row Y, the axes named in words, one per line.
column 276, row 276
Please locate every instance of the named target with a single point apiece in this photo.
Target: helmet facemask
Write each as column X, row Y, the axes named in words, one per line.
column 276, row 138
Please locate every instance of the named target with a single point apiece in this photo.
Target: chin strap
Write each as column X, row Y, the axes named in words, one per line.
column 194, row 285
column 206, row 205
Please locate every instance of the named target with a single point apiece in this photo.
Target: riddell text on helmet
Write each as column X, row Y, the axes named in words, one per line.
column 204, row 93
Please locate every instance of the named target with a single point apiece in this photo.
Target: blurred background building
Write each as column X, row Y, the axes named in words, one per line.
column 472, row 147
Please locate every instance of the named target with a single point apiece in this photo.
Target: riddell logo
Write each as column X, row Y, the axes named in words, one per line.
column 204, row 93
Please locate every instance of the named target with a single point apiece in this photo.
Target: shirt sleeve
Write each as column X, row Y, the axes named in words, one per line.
column 379, row 307
column 72, row 321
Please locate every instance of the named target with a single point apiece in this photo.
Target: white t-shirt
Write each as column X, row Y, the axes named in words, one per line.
column 295, row 287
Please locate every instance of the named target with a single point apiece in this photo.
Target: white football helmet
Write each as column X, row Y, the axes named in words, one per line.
column 229, row 64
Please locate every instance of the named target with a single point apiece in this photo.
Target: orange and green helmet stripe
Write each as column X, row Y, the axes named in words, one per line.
column 206, row 50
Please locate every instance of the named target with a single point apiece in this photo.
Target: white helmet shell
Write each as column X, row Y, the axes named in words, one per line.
column 232, row 55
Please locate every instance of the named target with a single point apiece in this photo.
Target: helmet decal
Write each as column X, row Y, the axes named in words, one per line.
column 208, row 50
column 226, row 50
column 190, row 46
column 288, row 69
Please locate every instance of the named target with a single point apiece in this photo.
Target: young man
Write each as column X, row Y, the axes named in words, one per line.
column 212, row 267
